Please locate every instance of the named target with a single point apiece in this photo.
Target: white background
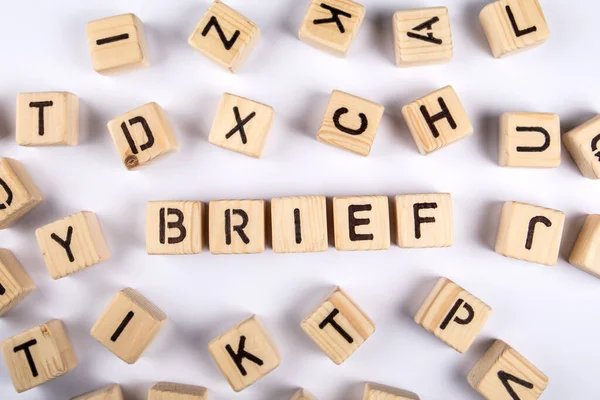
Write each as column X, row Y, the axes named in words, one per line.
column 549, row 314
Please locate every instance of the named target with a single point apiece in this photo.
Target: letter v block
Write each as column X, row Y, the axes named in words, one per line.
column 245, row 354
column 18, row 193
column 176, row 391
column 361, row 223
column 174, row 227
column 236, row 226
column 15, row 284
column 380, row 392
column 111, row 392
column 424, row 220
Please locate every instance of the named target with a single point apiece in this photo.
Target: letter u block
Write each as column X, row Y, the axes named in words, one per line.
column 15, row 284
column 18, row 193
column 586, row 252
column 302, row 394
column 299, row 224
column 424, row 220
column 381, row 392
column 174, row 227
column 111, row 392
column 176, row 391
column 361, row 223
column 583, row 143
column 236, row 226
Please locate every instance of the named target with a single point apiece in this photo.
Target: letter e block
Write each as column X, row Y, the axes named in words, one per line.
column 302, row 394
column 236, row 226
column 174, row 227
column 583, row 143
column 299, row 224
column 586, row 252
column 112, row 392
column 18, row 193
column 361, row 223
column 380, row 392
column 176, row 391
column 424, row 220
column 15, row 284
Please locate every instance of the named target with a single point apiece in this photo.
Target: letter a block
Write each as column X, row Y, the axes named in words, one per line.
column 361, row 223
column 586, row 252
column 503, row 373
column 530, row 233
column 302, row 394
column 424, row 220
column 15, row 284
column 176, row 391
column 350, row 123
column 583, row 143
column 174, row 227
column 18, row 193
column 299, row 224
column 236, row 226
column 128, row 325
column 338, row 326
column 38, row 355
column 453, row 315
column 112, row 392
column 380, row 392
column 245, row 354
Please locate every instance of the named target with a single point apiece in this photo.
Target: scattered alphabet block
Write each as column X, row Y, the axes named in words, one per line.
column 15, row 284
column 176, row 391
column 453, row 315
column 503, row 373
column 350, row 123
column 583, row 143
column 302, row 394
column 299, row 224
column 338, row 326
column 432, row 129
column 586, row 252
column 18, row 193
column 245, row 354
column 38, row 355
column 530, row 233
column 236, row 226
column 111, row 392
column 174, row 227
column 361, row 223
column 424, row 220
column 381, row 392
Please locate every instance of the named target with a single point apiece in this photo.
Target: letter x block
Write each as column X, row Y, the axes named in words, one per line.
column 245, row 354
column 302, row 394
column 453, row 315
column 15, row 284
column 128, row 325
column 38, row 355
column 112, row 392
column 236, row 226
column 380, row 392
column 503, row 373
column 174, row 227
column 18, row 193
column 299, row 224
column 583, row 143
column 586, row 252
column 424, row 220
column 176, row 391
column 530, row 233
column 361, row 223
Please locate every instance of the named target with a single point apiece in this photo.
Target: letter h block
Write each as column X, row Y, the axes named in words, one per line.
column 15, row 284
column 174, row 227
column 111, row 392
column 583, row 143
column 176, row 391
column 18, row 193
column 424, row 220
column 236, row 226
column 361, row 223
column 380, row 392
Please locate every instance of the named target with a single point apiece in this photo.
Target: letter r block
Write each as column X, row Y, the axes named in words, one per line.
column 18, row 193
column 381, row 392
column 15, row 284
column 583, row 143
column 299, row 224
column 111, row 392
column 236, row 226
column 361, row 223
column 424, row 220
column 174, row 227
column 176, row 391
column 586, row 252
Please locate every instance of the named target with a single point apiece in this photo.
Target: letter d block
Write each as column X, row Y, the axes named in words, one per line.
column 112, row 392
column 174, row 227
column 380, row 392
column 236, row 226
column 299, row 224
column 453, row 315
column 302, row 394
column 176, row 391
column 424, row 220
column 529, row 140
column 583, row 143
column 361, row 223
column 586, row 252
column 15, row 284
column 18, row 193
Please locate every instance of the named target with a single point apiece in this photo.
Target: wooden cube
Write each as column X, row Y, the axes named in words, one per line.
column 15, row 284
column 302, row 394
column 111, row 392
column 350, row 123
column 299, row 224
column 424, row 220
column 117, row 44
column 453, row 315
column 225, row 36
column 381, row 392
column 128, row 325
column 530, row 233
column 529, row 140
column 503, row 373
column 245, row 354
column 174, row 227
column 422, row 36
column 338, row 326
column 332, row 25
column 241, row 125
column 583, row 143
column 361, row 223
column 586, row 252
column 236, row 226
column 18, row 193
column 72, row 244
column 47, row 119
column 176, row 391
column 38, row 355
column 512, row 26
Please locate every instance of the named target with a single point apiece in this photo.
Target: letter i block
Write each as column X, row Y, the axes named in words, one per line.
column 424, row 220
column 586, row 252
column 299, row 224
column 128, row 325
column 38, row 355
column 112, row 392
column 432, row 129
column 302, row 394
column 361, row 223
column 245, row 354
column 453, row 315
column 502, row 373
column 72, row 244
column 174, row 227
column 338, row 326
column 176, row 391
column 18, row 193
column 530, row 233
column 583, row 143
column 236, row 226
column 529, row 140
column 15, row 284
column 380, row 392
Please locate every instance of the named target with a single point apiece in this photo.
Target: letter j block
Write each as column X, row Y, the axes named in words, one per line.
column 18, row 192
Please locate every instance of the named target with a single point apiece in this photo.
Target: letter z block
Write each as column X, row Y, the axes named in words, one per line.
column 15, row 284
column 299, row 224
column 361, row 223
column 236, row 226
column 112, row 392
column 586, row 252
column 424, row 220
column 174, row 227
column 583, row 143
column 302, row 394
column 380, row 392
column 18, row 193
column 176, row 391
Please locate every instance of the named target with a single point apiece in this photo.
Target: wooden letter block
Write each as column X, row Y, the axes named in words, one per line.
column 174, row 227
column 583, row 143
column 338, row 326
column 142, row 135
column 302, row 394
column 424, row 220
column 504, row 374
column 128, row 325
column 361, row 223
column 15, row 284
column 176, row 391
column 350, row 123
column 117, row 44
column 437, row 120
column 513, row 25
column 332, row 25
column 112, row 392
column 18, row 193
column 245, row 354
column 225, row 36
column 236, row 226
column 299, row 224
column 380, row 392
column 453, row 315
column 72, row 244
column 586, row 252
column 530, row 233
column 422, row 36
column 47, row 119
column 38, row 355
column 241, row 125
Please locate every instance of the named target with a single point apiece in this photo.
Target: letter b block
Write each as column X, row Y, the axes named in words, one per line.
column 361, row 223
column 174, row 227
column 529, row 140
column 15, row 284
column 299, row 224
column 424, row 220
column 236, row 226
column 18, row 193
column 583, row 143
column 176, row 391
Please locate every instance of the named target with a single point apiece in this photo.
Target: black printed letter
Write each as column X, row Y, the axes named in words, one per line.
column 454, row 310
column 25, row 347
column 9, row 195
column 130, row 141
column 531, row 229
column 444, row 114
column 238, row 228
column 364, row 122
column 227, row 43
column 2, row 290
column 41, row 105
column 331, row 321
column 535, row 149
column 66, row 244
column 595, row 141
column 297, row 227
column 241, row 354
column 163, row 225
column 422, row 220
column 239, row 125
column 425, row 25
column 505, row 377
column 513, row 22
column 335, row 17
column 353, row 222
column 122, row 326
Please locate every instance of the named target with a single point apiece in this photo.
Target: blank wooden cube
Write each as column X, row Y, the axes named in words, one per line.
column 117, row 44
column 72, row 244
column 302, row 394
column 18, row 193
column 15, row 284
column 350, row 123
column 47, row 119
column 422, row 36
column 512, row 26
column 177, row 391
column 381, row 392
column 338, row 326
column 586, row 252
column 128, row 325
column 174, row 227
column 361, row 223
column 245, row 354
column 241, row 125
column 503, row 373
column 453, row 315
column 111, row 392
column 299, row 224
column 332, row 25
column 236, row 226
column 38, row 355
column 530, row 233
column 225, row 36
column 583, row 143
column 424, row 220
